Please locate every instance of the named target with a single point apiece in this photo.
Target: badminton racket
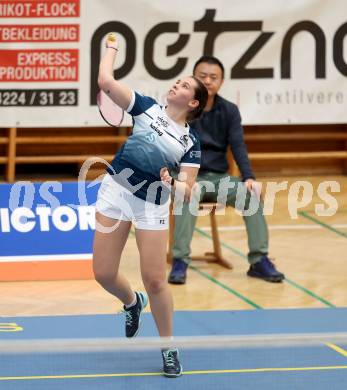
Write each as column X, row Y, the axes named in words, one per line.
column 110, row 112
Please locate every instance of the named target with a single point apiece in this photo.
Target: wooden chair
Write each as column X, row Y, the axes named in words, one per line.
column 212, row 257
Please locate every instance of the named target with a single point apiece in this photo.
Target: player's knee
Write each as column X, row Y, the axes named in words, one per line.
column 104, row 277
column 155, row 285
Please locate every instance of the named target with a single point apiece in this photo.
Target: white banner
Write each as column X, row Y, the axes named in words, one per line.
column 285, row 61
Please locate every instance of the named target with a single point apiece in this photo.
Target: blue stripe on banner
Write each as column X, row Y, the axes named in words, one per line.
column 49, row 218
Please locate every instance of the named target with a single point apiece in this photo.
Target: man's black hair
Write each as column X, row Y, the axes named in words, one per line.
column 209, row 60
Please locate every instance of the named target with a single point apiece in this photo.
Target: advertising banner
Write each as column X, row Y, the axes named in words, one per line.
column 47, row 221
column 285, row 61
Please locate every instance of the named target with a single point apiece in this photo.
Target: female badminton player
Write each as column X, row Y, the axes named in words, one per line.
column 137, row 189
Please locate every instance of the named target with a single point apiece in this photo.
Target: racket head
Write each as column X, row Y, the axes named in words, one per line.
column 110, row 112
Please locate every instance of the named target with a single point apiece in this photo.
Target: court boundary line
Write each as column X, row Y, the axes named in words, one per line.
column 322, row 224
column 311, row 226
column 337, row 349
column 194, row 372
column 225, row 287
column 289, row 281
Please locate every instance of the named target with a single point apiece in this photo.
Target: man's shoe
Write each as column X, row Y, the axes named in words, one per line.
column 171, row 365
column 133, row 315
column 266, row 270
column 178, row 274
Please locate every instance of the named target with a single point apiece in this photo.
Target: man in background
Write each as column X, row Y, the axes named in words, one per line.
column 218, row 127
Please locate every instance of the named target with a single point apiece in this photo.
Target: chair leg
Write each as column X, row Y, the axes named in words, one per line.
column 216, row 242
column 215, row 256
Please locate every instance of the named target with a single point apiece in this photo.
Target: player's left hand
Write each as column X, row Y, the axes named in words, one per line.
column 254, row 187
column 165, row 176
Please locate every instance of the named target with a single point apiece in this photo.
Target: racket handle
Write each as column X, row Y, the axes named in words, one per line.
column 111, row 41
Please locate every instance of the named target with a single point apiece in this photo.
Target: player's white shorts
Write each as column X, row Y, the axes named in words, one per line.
column 115, row 201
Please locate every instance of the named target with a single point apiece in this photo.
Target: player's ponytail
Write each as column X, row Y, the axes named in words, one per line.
column 201, row 95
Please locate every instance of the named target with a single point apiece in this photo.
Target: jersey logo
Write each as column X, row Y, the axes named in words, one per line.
column 195, row 153
column 184, row 139
column 150, row 137
column 155, row 128
column 162, row 121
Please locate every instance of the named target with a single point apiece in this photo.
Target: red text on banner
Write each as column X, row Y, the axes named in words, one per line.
column 38, row 65
column 39, row 9
column 39, row 33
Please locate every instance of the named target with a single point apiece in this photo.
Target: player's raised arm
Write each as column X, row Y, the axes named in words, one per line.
column 117, row 91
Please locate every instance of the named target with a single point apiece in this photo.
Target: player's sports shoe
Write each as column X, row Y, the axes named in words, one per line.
column 171, row 365
column 265, row 269
column 178, row 274
column 133, row 315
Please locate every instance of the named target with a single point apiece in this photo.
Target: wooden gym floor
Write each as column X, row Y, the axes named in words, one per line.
column 310, row 250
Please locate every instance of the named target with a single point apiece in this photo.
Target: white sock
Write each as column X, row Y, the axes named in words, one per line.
column 170, row 338
column 133, row 303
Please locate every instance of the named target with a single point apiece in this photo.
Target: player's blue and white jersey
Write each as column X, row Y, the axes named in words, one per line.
column 156, row 142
